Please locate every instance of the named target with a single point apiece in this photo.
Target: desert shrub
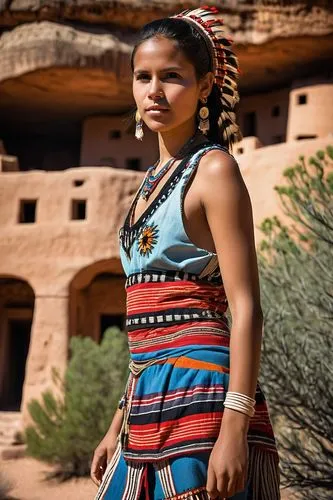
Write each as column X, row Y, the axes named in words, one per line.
column 296, row 270
column 66, row 431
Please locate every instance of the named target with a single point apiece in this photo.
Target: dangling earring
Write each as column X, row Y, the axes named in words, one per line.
column 204, row 117
column 139, row 126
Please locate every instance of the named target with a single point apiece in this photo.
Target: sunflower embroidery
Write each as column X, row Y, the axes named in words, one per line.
column 147, row 239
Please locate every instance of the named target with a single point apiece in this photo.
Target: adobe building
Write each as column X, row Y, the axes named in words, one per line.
column 69, row 166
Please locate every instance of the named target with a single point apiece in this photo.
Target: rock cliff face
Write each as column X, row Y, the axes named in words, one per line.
column 266, row 18
column 70, row 59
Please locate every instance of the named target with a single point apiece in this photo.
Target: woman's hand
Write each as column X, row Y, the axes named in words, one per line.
column 102, row 456
column 227, row 467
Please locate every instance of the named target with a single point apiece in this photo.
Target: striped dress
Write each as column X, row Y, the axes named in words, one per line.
column 179, row 339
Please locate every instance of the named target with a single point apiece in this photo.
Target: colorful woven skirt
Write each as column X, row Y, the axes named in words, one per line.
column 168, row 479
column 173, row 403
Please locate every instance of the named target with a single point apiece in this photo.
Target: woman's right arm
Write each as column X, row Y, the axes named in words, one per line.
column 106, row 448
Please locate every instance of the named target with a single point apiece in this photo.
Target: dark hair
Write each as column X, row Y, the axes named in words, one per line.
column 196, row 50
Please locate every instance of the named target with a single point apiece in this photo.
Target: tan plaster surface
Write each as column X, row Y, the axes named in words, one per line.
column 263, row 168
column 59, row 245
column 316, row 116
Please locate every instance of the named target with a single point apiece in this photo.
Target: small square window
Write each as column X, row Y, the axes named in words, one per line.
column 302, row 99
column 133, row 163
column 79, row 209
column 78, row 182
column 114, row 134
column 27, row 213
column 275, row 111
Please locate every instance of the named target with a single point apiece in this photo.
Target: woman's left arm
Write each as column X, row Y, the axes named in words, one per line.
column 228, row 210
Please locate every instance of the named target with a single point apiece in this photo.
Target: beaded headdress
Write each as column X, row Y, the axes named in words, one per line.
column 209, row 24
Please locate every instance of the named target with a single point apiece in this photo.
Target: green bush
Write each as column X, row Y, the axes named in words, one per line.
column 296, row 270
column 66, row 432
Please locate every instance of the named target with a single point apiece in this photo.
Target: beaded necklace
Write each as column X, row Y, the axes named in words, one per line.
column 151, row 181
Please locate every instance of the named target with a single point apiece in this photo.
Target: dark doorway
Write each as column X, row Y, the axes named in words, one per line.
column 17, row 352
column 250, row 124
column 109, row 320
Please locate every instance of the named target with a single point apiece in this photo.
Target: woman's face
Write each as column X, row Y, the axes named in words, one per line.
column 165, row 87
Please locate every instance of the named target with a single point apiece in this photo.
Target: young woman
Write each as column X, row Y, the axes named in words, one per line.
column 193, row 422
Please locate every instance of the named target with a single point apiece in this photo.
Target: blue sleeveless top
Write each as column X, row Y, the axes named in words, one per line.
column 158, row 241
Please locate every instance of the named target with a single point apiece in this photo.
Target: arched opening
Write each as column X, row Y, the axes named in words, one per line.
column 16, row 313
column 97, row 300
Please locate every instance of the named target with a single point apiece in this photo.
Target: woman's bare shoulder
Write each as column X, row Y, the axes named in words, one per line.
column 217, row 165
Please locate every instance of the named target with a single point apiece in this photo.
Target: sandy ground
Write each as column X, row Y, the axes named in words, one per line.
column 27, row 477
